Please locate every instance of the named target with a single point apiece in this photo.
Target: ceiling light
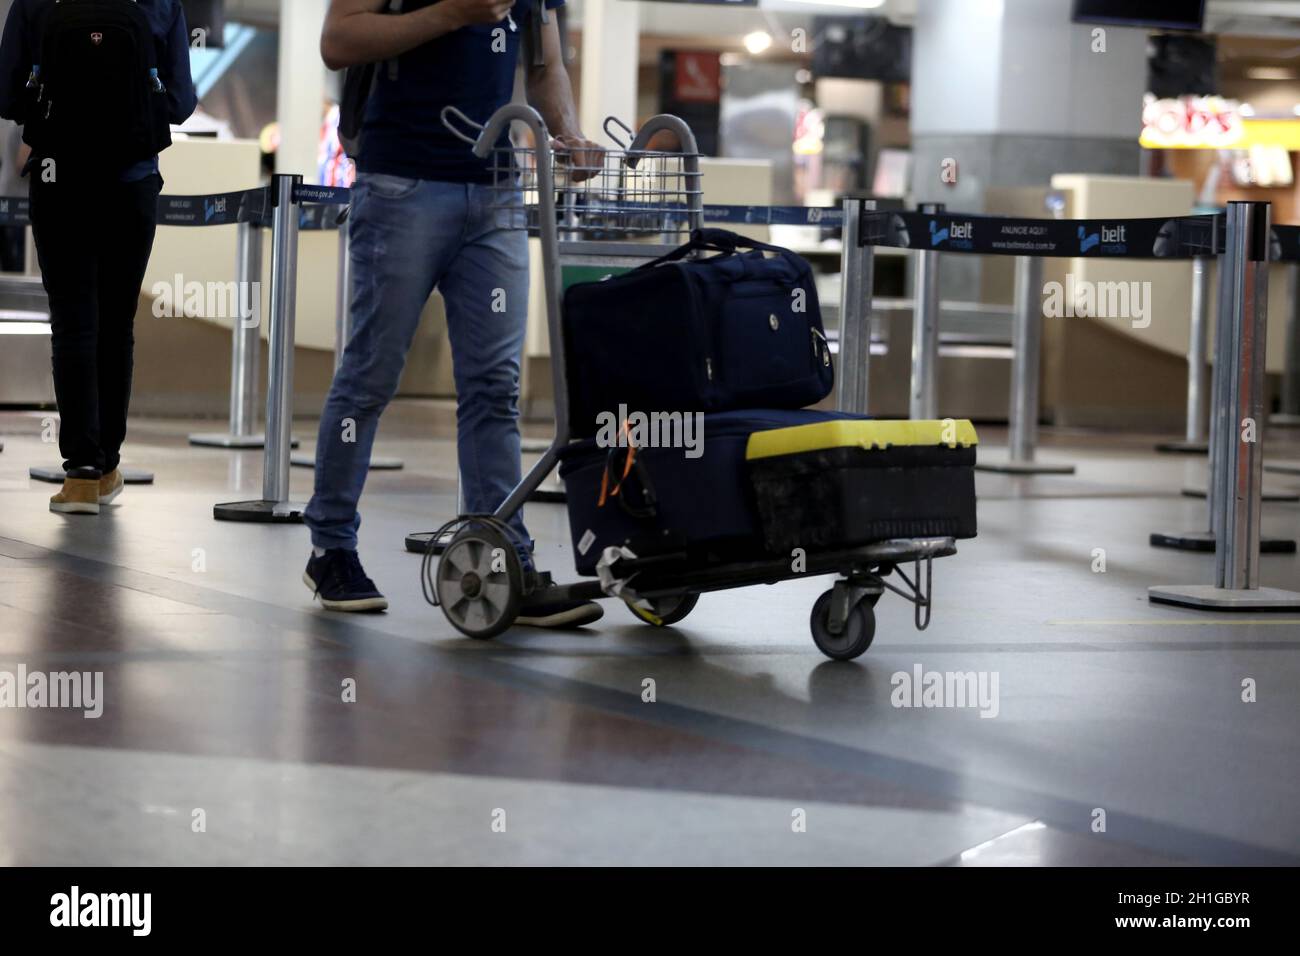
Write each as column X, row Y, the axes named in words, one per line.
column 1270, row 73
column 758, row 41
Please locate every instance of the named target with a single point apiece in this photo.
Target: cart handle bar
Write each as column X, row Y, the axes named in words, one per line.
column 490, row 132
column 675, row 124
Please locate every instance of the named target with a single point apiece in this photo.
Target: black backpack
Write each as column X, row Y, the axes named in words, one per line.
column 98, row 103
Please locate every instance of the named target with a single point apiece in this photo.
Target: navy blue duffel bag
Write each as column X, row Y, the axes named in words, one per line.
column 734, row 330
column 664, row 500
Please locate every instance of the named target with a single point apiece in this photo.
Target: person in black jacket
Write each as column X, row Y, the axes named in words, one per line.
column 93, row 221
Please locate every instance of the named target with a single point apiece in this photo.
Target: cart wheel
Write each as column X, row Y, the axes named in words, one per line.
column 666, row 610
column 858, row 631
column 479, row 582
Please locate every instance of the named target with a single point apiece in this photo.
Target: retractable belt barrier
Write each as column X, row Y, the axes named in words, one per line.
column 1245, row 244
column 940, row 231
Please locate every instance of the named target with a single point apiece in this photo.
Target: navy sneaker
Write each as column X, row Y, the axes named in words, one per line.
column 337, row 578
column 542, row 613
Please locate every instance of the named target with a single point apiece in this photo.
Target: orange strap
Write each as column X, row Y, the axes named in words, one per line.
column 605, row 491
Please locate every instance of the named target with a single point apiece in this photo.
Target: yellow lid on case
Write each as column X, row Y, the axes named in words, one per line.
column 953, row 432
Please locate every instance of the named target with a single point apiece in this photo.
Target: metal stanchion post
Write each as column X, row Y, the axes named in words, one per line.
column 1289, row 415
column 925, row 330
column 343, row 334
column 1238, row 482
column 857, row 275
column 274, row 505
column 1194, row 440
column 1219, row 398
column 1026, row 363
column 245, row 345
column 1204, row 541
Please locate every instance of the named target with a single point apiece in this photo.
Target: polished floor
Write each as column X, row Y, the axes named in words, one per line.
column 1120, row 737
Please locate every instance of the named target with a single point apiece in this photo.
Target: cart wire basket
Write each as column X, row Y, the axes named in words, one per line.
column 620, row 193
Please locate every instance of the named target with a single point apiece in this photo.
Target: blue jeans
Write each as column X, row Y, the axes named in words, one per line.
column 408, row 236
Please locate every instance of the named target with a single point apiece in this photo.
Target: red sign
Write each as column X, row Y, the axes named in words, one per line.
column 697, row 77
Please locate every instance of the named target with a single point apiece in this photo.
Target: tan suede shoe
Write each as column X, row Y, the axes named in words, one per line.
column 80, row 496
column 110, row 486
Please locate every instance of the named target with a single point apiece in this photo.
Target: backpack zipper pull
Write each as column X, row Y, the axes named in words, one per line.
column 34, row 77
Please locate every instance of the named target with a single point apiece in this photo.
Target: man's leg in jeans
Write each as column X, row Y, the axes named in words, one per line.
column 486, row 290
column 66, row 253
column 402, row 234
column 123, row 258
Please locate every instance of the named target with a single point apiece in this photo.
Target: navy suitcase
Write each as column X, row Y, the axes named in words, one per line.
column 669, row 503
column 735, row 330
column 768, row 481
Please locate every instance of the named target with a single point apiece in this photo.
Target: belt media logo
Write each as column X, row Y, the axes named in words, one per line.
column 1083, row 298
column 73, row 909
column 54, row 690
column 975, row 690
column 211, row 300
column 958, row 235
column 214, row 207
column 1111, row 240
column 622, row 429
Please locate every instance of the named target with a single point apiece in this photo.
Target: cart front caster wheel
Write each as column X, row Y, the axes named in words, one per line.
column 479, row 582
column 859, row 628
column 665, row 610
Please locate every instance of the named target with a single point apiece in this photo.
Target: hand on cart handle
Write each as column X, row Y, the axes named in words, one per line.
column 584, row 158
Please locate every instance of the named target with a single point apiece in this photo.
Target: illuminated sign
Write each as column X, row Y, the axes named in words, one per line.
column 1192, row 122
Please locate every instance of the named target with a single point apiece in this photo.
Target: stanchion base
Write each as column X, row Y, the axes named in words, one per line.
column 1012, row 467
column 1283, row 467
column 377, row 463
column 55, row 476
column 1185, row 541
column 264, row 512
column 1208, row 597
column 1284, row 420
column 1282, row 496
column 1183, row 447
column 417, row 542
column 1203, row 541
column 228, row 440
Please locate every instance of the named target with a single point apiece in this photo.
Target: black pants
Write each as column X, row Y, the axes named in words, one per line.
column 93, row 244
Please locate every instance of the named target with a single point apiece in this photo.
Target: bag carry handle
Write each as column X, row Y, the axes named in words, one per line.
column 725, row 241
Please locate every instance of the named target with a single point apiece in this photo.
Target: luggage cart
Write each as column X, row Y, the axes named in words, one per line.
column 643, row 201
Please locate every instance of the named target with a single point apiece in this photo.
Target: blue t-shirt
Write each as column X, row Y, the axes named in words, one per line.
column 403, row 134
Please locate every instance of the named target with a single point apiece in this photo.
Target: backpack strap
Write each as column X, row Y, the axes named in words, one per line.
column 394, row 6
